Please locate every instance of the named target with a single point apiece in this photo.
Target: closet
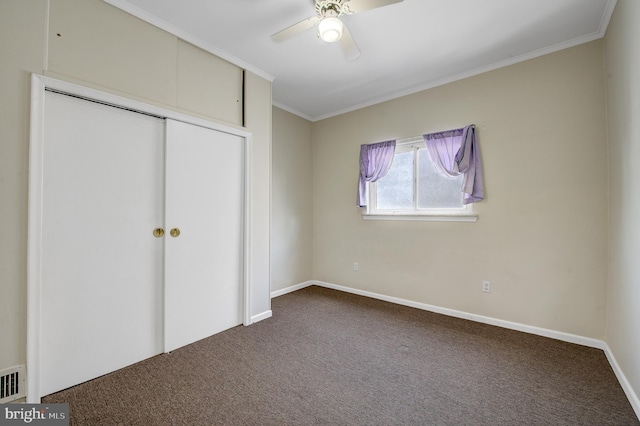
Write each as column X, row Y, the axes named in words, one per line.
column 142, row 237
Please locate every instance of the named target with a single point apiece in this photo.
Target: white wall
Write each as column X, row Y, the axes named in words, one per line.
column 541, row 236
column 258, row 121
column 623, row 107
column 292, row 208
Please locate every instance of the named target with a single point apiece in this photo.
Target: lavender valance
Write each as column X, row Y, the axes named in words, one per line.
column 375, row 161
column 456, row 152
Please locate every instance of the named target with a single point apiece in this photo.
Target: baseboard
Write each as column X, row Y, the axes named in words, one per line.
column 262, row 316
column 626, row 386
column 291, row 288
column 567, row 337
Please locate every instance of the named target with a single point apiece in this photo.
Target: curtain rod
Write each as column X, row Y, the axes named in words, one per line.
column 409, row 140
column 414, row 139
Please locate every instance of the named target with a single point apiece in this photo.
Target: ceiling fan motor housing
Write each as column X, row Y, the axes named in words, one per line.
column 332, row 7
column 330, row 27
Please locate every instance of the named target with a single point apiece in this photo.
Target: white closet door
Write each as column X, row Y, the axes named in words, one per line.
column 101, row 291
column 203, row 265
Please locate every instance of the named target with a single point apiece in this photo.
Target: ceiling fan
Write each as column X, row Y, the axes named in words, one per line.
column 330, row 28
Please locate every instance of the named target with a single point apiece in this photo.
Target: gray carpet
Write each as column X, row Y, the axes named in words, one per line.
column 332, row 358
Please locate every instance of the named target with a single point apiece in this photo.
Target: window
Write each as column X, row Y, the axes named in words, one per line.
column 414, row 189
column 436, row 177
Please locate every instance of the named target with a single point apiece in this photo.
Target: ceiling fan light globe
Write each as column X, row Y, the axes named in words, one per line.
column 330, row 29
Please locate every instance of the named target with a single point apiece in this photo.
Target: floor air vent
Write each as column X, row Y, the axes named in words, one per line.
column 13, row 383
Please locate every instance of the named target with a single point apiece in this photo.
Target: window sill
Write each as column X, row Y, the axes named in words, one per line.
column 424, row 217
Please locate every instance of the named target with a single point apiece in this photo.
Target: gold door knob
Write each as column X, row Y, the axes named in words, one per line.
column 174, row 232
column 158, row 232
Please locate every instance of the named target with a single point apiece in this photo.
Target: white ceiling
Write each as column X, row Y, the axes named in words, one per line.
column 406, row 47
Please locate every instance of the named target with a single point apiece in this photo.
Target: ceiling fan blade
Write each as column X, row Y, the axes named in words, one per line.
column 295, row 29
column 357, row 6
column 349, row 47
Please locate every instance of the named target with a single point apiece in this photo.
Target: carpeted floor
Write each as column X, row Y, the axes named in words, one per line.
column 332, row 358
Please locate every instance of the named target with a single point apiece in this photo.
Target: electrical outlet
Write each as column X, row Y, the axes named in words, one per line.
column 355, row 266
column 486, row 286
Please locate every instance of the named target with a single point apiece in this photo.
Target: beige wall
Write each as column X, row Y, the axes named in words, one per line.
column 292, row 208
column 22, row 51
column 97, row 45
column 623, row 107
column 541, row 235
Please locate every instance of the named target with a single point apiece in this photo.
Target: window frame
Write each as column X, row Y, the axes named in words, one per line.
column 464, row 214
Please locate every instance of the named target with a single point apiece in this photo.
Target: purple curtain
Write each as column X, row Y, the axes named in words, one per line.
column 375, row 161
column 456, row 152
column 442, row 148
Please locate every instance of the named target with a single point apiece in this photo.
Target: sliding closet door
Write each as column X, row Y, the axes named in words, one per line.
column 204, row 240
column 101, row 291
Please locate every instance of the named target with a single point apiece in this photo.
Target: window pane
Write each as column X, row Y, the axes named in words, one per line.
column 434, row 190
column 395, row 190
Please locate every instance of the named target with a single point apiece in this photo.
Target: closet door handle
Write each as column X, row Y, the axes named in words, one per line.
column 158, row 232
column 175, row 232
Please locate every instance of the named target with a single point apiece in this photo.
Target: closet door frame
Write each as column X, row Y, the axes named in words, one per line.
column 39, row 85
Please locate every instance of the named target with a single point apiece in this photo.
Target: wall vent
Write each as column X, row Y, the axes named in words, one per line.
column 13, row 383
